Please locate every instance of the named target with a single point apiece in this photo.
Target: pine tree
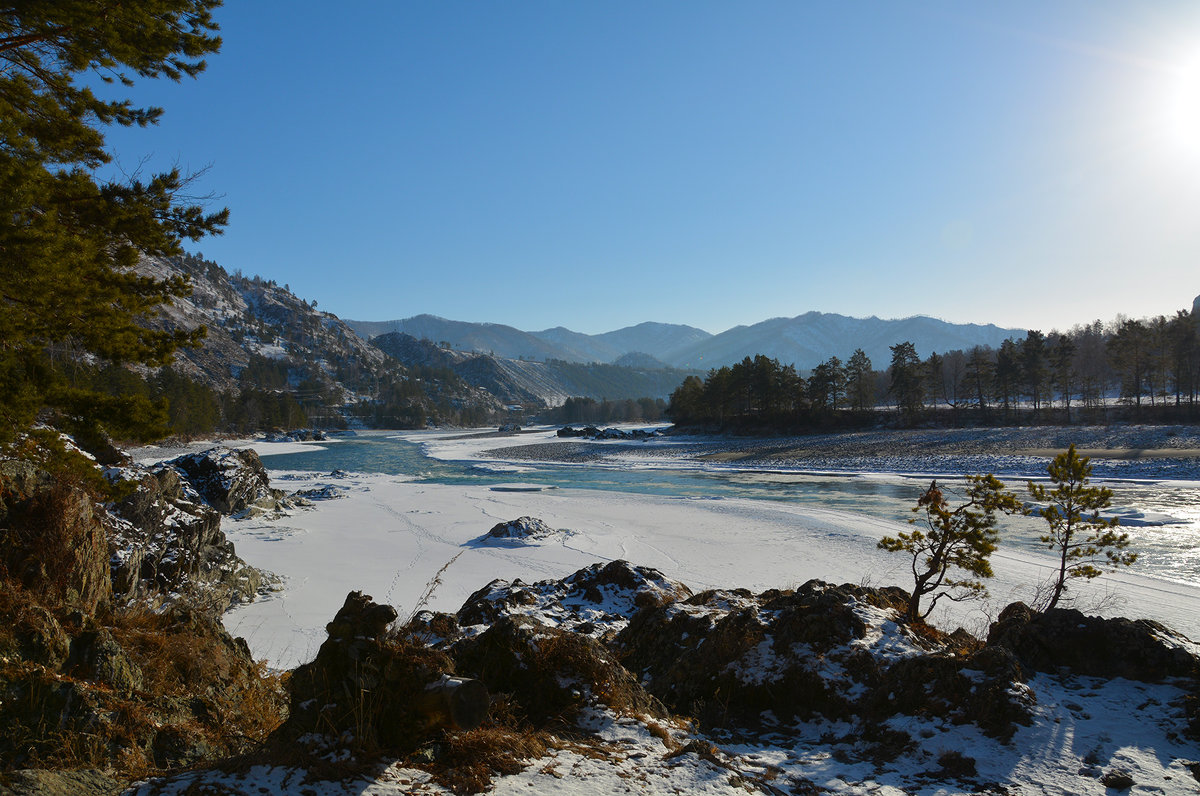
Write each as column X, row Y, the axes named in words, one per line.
column 68, row 240
column 1077, row 534
column 860, row 381
column 961, row 538
column 907, row 384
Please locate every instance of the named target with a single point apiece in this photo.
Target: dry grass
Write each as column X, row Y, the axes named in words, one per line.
column 196, row 692
column 467, row 761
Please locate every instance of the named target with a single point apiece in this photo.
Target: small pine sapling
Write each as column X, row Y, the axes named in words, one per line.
column 961, row 539
column 1077, row 533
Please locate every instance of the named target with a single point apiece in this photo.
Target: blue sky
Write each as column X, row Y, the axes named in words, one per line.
column 594, row 165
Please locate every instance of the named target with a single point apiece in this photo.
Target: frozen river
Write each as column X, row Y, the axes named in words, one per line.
column 413, row 511
column 1161, row 515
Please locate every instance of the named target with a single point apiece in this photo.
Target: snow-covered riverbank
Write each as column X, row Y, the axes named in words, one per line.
column 388, row 537
column 415, row 544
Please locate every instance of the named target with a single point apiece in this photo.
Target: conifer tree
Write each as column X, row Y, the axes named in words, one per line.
column 860, row 383
column 1076, row 533
column 954, row 539
column 68, row 239
column 907, row 384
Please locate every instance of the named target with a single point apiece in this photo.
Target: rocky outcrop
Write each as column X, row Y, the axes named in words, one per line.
column 52, row 540
column 365, row 681
column 231, row 481
column 551, row 674
column 520, row 528
column 120, row 687
column 730, row 655
column 596, row 601
column 591, row 432
column 986, row 689
column 166, row 541
column 1065, row 638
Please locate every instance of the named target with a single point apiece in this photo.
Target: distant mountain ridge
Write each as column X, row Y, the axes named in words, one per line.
column 517, row 381
column 805, row 340
column 499, row 340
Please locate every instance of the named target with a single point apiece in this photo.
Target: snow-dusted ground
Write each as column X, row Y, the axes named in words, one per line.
column 390, row 537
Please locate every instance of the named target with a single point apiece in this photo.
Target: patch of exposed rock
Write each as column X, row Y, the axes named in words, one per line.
column 1138, row 649
column 550, row 674
column 591, row 432
column 52, row 540
column 728, row 656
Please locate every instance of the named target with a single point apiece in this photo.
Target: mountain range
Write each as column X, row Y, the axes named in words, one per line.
column 261, row 334
column 804, row 341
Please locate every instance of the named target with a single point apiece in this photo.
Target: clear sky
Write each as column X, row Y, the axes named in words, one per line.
column 597, row 164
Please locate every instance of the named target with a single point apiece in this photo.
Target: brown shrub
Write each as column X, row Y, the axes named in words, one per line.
column 466, row 762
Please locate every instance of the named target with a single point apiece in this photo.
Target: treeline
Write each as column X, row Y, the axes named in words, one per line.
column 168, row 402
column 1151, row 367
column 589, row 410
column 427, row 395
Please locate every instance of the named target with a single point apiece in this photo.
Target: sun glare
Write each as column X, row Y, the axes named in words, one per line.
column 1182, row 112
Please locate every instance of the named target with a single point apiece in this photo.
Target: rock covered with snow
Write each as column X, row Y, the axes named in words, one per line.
column 597, row 601
column 591, row 432
column 520, row 528
column 231, row 481
column 731, row 655
column 165, row 544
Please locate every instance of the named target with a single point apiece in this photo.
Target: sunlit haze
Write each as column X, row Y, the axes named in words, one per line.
column 595, row 165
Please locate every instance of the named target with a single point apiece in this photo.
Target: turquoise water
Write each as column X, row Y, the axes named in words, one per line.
column 391, row 456
column 1170, row 551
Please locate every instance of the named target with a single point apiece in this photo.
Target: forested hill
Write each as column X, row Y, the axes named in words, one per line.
column 264, row 339
column 530, row 382
column 250, row 320
column 803, row 341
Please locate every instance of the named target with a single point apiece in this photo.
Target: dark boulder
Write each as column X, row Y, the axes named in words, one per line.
column 98, row 657
column 1138, row 649
column 550, row 674
column 731, row 655
column 986, row 689
column 369, row 685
